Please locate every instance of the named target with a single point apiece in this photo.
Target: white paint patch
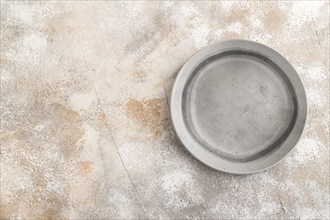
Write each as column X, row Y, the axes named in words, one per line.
column 315, row 97
column 199, row 30
column 316, row 73
column 132, row 149
column 235, row 27
column 307, row 7
column 37, row 132
column 266, row 178
column 36, row 42
column 219, row 32
column 40, row 126
column 181, row 190
column 187, row 9
column 174, row 182
column 180, row 20
column 22, row 12
column 30, row 49
column 256, row 22
column 200, row 34
column 307, row 150
column 5, row 76
column 303, row 11
column 261, row 38
column 127, row 149
column 227, row 5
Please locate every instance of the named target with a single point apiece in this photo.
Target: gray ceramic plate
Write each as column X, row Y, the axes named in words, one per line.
column 238, row 106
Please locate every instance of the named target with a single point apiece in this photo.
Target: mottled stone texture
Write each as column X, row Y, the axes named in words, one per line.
column 85, row 124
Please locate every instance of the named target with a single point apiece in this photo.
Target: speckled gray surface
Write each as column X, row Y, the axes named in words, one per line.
column 85, row 124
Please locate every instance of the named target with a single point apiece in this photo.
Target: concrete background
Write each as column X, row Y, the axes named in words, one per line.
column 85, row 124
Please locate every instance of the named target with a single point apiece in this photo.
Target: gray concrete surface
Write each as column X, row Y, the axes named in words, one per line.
column 85, row 124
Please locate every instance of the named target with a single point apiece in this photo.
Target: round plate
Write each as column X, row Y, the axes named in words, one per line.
column 238, row 106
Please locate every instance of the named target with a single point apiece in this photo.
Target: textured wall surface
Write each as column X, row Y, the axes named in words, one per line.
column 85, row 124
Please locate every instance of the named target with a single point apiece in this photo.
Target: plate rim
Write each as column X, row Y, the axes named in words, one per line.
column 212, row 160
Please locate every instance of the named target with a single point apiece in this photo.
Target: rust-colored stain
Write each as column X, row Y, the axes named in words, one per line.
column 102, row 117
column 68, row 129
column 85, row 167
column 169, row 31
column 275, row 20
column 238, row 14
column 58, row 25
column 65, row 113
column 230, row 35
column 147, row 112
column 139, row 74
column 6, row 210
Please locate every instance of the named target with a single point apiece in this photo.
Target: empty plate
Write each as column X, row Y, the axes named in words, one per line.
column 238, row 106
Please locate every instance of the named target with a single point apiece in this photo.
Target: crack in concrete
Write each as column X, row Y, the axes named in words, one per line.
column 121, row 159
column 114, row 142
column 26, row 203
column 318, row 41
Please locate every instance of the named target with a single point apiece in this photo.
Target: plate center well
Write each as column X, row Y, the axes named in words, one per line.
column 238, row 106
